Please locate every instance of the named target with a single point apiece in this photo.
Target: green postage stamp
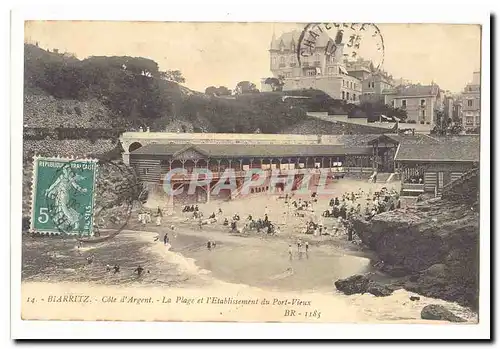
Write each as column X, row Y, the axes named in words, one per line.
column 63, row 196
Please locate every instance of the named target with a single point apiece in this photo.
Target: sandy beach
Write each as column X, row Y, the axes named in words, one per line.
column 252, row 267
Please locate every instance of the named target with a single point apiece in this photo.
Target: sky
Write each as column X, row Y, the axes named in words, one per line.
column 222, row 54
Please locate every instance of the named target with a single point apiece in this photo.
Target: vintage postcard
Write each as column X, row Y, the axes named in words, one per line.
column 251, row 172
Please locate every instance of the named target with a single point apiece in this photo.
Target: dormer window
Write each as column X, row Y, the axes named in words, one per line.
column 282, row 46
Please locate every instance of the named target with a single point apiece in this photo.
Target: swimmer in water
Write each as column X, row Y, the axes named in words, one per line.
column 139, row 270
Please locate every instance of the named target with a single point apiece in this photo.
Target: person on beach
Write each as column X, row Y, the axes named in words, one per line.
column 116, row 269
column 158, row 216
column 139, row 271
column 90, row 259
column 209, row 245
column 220, row 211
column 165, row 239
column 290, row 252
column 307, row 246
column 299, row 245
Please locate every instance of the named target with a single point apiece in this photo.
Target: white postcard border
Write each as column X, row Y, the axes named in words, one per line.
column 365, row 12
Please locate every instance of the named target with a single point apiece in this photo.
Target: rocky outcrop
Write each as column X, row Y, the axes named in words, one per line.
column 439, row 312
column 435, row 243
column 362, row 284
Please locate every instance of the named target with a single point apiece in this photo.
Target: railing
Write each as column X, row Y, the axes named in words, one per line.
column 317, row 63
column 305, row 64
column 293, row 64
column 466, row 176
column 358, row 169
column 242, row 173
column 412, row 187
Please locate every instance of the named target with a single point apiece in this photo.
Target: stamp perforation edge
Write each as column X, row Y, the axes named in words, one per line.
column 32, row 230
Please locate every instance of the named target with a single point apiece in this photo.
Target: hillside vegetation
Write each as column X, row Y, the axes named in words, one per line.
column 125, row 92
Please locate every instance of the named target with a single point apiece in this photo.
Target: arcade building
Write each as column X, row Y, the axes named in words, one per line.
column 422, row 163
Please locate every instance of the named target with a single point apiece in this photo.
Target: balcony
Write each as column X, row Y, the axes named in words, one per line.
column 410, row 188
column 282, row 65
column 305, row 64
column 317, row 63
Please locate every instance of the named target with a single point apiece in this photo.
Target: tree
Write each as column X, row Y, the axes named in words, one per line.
column 217, row 91
column 246, row 87
column 445, row 125
column 276, row 83
column 211, row 91
column 223, row 91
column 173, row 75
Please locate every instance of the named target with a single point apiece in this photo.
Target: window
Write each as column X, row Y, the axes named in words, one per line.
column 145, row 171
column 469, row 121
column 343, row 95
column 311, row 72
column 393, row 103
column 422, row 102
column 469, row 102
column 353, row 96
column 274, row 61
column 347, row 95
column 403, row 103
column 282, row 61
column 423, row 115
column 340, row 71
column 343, row 83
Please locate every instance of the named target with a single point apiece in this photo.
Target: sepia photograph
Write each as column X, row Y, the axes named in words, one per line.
column 286, row 172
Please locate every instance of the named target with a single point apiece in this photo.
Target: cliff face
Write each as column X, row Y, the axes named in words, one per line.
column 435, row 243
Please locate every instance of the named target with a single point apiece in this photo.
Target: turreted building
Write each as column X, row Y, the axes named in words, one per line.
column 317, row 70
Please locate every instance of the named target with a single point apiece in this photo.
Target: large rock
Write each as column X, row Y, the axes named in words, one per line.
column 439, row 312
column 435, row 241
column 362, row 284
column 353, row 284
column 379, row 290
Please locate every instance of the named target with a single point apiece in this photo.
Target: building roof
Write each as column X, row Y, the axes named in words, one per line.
column 414, row 90
column 459, row 148
column 252, row 150
column 294, row 36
